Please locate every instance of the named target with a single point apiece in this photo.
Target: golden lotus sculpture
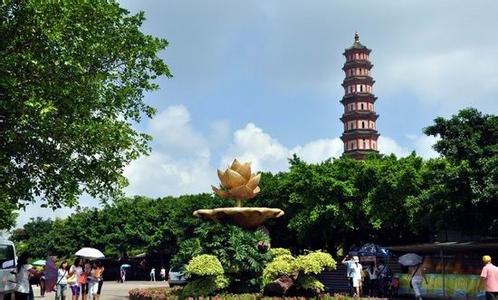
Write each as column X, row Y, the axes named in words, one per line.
column 239, row 183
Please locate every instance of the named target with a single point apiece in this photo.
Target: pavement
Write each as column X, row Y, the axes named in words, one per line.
column 111, row 290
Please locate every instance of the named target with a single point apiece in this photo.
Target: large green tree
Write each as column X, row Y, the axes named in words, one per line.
column 73, row 75
column 464, row 186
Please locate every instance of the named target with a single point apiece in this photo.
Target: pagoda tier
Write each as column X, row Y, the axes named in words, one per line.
column 359, row 118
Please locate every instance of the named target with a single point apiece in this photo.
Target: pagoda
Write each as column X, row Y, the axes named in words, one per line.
column 360, row 131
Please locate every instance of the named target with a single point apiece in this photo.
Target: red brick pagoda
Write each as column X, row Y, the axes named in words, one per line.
column 360, row 131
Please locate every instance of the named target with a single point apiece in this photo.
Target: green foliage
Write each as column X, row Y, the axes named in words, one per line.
column 299, row 268
column 74, row 75
column 307, row 282
column 205, row 286
column 204, row 265
column 276, row 252
column 464, row 186
column 208, row 276
column 275, row 269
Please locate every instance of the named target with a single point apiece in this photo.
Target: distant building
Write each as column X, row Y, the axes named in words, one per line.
column 360, row 131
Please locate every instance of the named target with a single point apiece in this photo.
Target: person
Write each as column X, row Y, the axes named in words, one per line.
column 100, row 277
column 23, row 271
column 122, row 273
column 348, row 261
column 357, row 276
column 372, row 285
column 153, row 274
column 61, row 285
column 93, row 282
column 42, row 283
column 383, row 279
column 418, row 276
column 87, row 267
column 74, row 279
column 162, row 273
column 489, row 277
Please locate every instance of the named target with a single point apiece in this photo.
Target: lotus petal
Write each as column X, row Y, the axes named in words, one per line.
column 256, row 190
column 254, row 181
column 235, row 165
column 244, row 170
column 234, row 179
column 221, row 174
column 223, row 178
column 241, row 192
column 219, row 192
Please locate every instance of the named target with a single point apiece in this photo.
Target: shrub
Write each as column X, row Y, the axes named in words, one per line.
column 299, row 268
column 204, row 265
column 208, row 276
column 206, row 286
column 276, row 252
column 154, row 293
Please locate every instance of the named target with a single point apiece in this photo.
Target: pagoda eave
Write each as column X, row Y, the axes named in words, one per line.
column 357, row 63
column 359, row 114
column 359, row 134
column 358, row 80
column 355, row 97
column 360, row 154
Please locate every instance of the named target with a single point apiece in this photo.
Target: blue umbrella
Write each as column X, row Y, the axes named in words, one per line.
column 373, row 250
column 125, row 266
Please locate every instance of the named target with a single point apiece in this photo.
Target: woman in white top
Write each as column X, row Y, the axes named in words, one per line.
column 74, row 283
column 418, row 276
column 23, row 271
column 62, row 275
column 357, row 274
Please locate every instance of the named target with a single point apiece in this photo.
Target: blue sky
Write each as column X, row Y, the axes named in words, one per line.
column 260, row 80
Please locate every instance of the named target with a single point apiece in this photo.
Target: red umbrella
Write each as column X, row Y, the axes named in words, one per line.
column 50, row 274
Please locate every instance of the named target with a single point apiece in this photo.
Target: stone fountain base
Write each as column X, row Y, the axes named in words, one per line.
column 246, row 217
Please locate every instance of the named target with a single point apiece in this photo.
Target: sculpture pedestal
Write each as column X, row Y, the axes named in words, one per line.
column 245, row 217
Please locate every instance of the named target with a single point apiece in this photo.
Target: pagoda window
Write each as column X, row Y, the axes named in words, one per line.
column 362, row 106
column 362, row 124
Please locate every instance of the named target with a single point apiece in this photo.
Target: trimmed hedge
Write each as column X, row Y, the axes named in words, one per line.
column 163, row 293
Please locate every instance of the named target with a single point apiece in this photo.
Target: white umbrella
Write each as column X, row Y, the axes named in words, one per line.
column 90, row 253
column 410, row 259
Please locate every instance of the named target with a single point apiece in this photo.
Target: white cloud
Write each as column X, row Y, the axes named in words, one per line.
column 423, row 146
column 266, row 153
column 388, row 146
column 180, row 159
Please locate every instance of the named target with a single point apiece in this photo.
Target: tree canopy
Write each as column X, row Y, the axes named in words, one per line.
column 72, row 83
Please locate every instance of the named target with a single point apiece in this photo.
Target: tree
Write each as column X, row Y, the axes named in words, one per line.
column 465, row 186
column 74, row 75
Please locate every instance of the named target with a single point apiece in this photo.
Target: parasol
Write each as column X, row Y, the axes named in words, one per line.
column 40, row 263
column 90, row 253
column 410, row 259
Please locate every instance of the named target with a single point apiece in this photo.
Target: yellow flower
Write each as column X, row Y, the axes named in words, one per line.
column 237, row 182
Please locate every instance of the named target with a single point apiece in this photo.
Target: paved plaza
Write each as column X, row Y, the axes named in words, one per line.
column 111, row 290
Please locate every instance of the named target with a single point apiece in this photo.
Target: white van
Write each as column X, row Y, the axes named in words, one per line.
column 7, row 267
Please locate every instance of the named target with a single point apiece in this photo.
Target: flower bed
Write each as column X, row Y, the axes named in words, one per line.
column 175, row 293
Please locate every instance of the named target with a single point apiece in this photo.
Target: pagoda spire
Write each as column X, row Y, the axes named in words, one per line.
column 359, row 118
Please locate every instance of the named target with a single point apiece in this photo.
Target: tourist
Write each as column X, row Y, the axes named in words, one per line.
column 489, row 277
column 23, row 272
column 383, row 279
column 42, row 283
column 93, row 282
column 357, row 276
column 74, row 280
column 418, row 276
column 122, row 274
column 100, row 277
column 153, row 274
column 162, row 273
column 61, row 285
column 87, row 267
column 372, row 281
column 348, row 261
